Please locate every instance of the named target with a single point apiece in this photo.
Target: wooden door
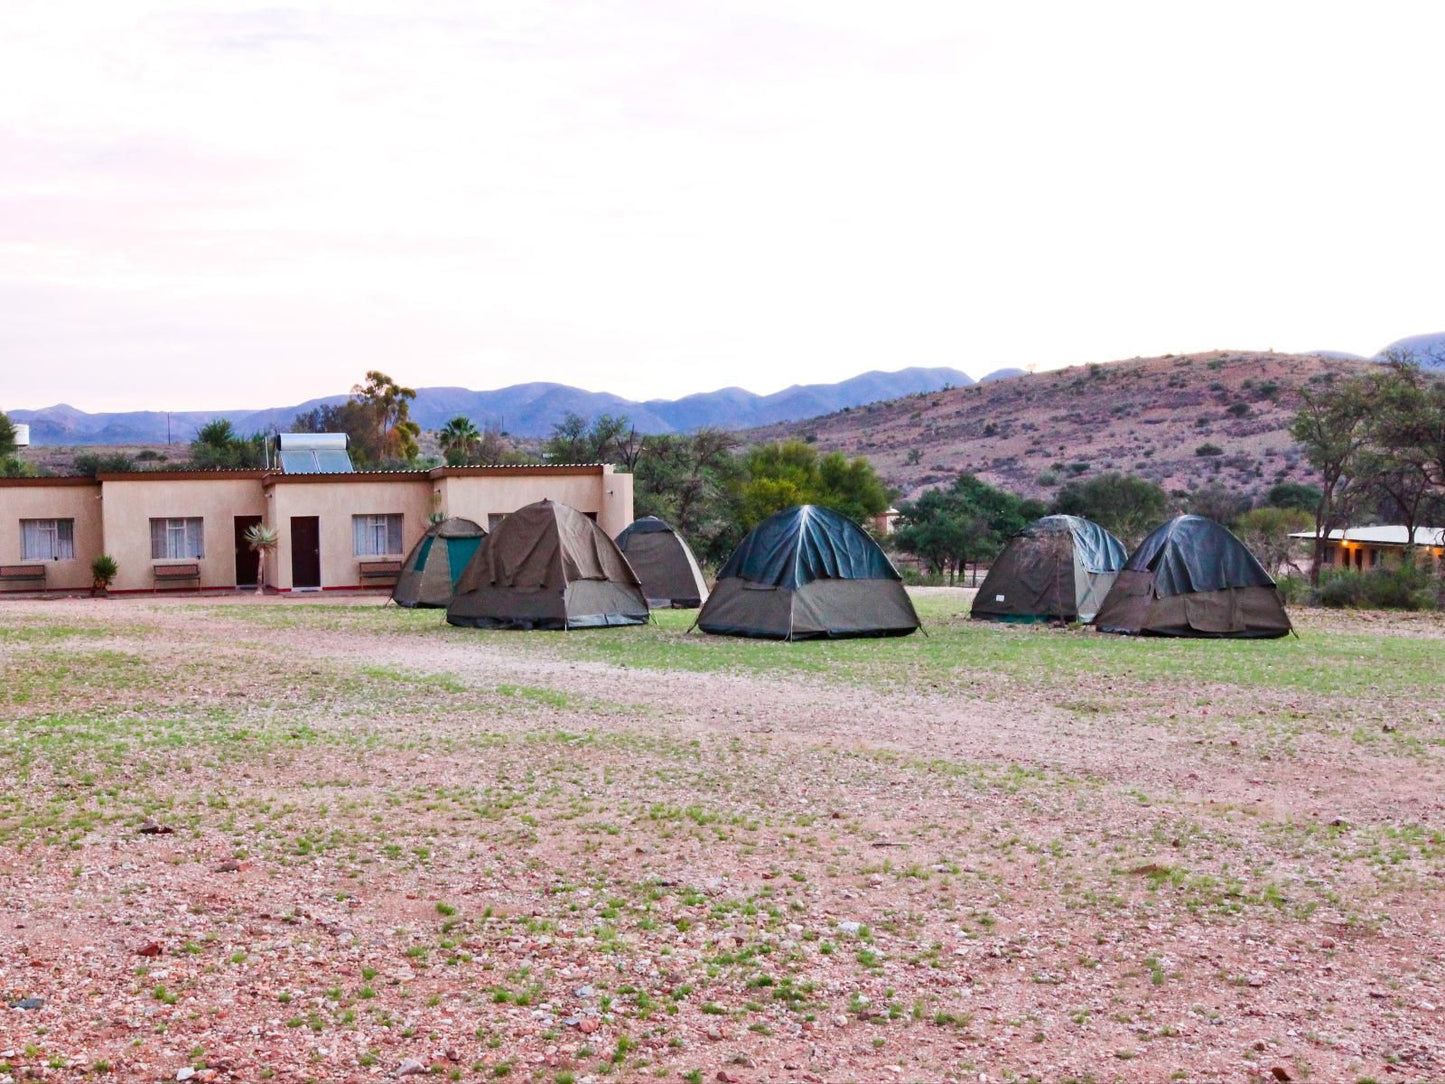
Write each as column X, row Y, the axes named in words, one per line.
column 248, row 561
column 305, row 552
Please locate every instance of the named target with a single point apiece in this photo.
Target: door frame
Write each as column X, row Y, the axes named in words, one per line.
column 239, row 526
column 292, row 525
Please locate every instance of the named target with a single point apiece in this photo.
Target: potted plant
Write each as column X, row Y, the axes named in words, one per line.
column 262, row 540
column 103, row 571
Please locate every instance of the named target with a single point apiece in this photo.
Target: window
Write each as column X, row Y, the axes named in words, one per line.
column 47, row 539
column 176, row 539
column 376, row 536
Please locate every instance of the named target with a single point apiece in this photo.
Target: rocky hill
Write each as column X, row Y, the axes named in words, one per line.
column 1180, row 421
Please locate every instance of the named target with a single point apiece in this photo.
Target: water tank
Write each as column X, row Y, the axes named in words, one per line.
column 22, row 436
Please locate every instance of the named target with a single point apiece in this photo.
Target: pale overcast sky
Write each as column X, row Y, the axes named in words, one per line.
column 229, row 204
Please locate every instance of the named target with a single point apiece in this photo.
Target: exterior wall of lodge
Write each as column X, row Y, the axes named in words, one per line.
column 1373, row 556
column 113, row 514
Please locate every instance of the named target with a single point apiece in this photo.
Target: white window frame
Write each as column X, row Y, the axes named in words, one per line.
column 376, row 534
column 178, row 538
column 47, row 539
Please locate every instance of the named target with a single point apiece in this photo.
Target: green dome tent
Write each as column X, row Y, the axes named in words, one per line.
column 808, row 573
column 1058, row 567
column 547, row 566
column 664, row 563
column 1192, row 577
column 435, row 563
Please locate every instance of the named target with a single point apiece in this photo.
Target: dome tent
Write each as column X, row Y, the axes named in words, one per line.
column 664, row 563
column 435, row 563
column 808, row 573
column 1192, row 577
column 547, row 566
column 1058, row 567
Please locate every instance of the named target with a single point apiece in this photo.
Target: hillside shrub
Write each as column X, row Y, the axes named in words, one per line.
column 1209, row 449
column 1048, row 478
column 1239, row 410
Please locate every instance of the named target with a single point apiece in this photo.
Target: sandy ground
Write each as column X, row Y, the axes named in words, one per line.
column 397, row 848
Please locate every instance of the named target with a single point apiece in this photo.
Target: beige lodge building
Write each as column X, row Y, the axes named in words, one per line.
column 184, row 529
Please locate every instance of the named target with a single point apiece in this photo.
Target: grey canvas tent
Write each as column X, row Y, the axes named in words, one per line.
column 547, row 566
column 808, row 573
column 1191, row 577
column 664, row 563
column 1056, row 568
column 435, row 563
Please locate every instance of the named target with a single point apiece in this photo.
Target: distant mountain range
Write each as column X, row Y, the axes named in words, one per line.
column 523, row 409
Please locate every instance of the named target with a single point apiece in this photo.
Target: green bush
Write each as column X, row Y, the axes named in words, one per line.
column 1406, row 588
column 1293, row 589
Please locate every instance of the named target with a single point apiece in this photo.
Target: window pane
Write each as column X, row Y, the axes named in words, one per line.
column 158, row 539
column 393, row 534
column 65, row 539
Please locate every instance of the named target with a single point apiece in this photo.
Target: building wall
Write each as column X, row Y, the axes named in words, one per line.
column 112, row 515
column 600, row 492
column 1370, row 556
column 52, row 499
column 130, row 502
column 333, row 501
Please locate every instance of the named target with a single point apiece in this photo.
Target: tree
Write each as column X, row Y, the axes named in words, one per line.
column 1216, row 502
column 459, row 439
column 376, row 420
column 217, row 444
column 7, row 435
column 1296, row 495
column 1266, row 531
column 608, row 438
column 1398, row 458
column 970, row 521
column 263, row 540
column 352, row 418
column 787, row 473
column 1130, row 507
column 1331, row 426
column 694, row 482
column 388, row 403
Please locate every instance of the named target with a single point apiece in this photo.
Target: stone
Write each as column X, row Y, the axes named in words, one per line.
column 155, row 828
column 1279, row 1072
column 150, row 948
column 185, row 1073
column 409, row 1067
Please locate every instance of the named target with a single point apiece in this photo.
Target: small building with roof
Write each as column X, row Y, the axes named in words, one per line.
column 1365, row 548
column 339, row 528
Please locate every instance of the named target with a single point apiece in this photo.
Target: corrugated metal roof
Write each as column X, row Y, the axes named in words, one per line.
column 1383, row 535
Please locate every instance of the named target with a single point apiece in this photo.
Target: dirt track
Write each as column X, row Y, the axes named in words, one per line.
column 441, row 838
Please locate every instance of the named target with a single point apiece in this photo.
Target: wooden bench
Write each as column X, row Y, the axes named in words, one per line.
column 380, row 570
column 33, row 575
column 168, row 574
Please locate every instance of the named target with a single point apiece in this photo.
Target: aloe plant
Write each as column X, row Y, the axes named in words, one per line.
column 103, row 571
column 262, row 540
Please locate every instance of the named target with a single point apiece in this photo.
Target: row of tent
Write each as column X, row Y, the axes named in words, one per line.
column 809, row 572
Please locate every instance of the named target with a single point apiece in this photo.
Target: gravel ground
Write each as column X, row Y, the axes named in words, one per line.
column 246, row 839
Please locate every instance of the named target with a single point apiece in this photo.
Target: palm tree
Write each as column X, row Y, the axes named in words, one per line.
column 262, row 540
column 459, row 438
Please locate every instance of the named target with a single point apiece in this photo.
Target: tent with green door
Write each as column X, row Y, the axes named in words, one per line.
column 548, row 566
column 435, row 563
column 808, row 573
column 1057, row 568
